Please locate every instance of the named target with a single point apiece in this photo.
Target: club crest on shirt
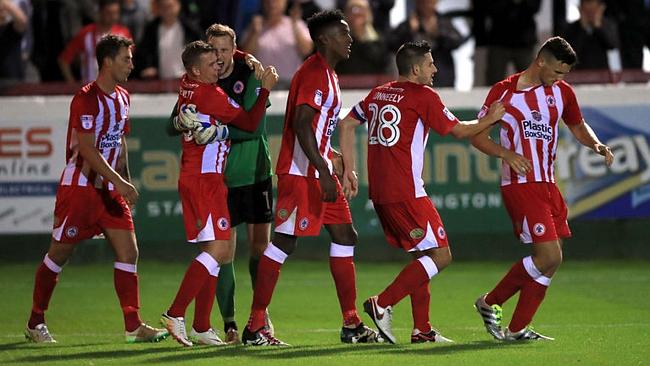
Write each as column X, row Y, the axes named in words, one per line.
column 318, row 97
column 550, row 100
column 539, row 229
column 238, row 87
column 87, row 121
column 304, row 223
column 447, row 112
column 536, row 115
column 441, row 232
column 222, row 223
column 283, row 214
column 416, row 233
column 71, row 232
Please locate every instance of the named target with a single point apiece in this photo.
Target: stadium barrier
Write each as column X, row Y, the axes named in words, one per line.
column 608, row 207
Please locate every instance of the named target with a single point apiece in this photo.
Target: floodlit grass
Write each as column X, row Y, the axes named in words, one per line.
column 597, row 311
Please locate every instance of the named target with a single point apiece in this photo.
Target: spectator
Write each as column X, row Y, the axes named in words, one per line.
column 13, row 25
column 134, row 16
column 592, row 35
column 159, row 53
column 84, row 42
column 380, row 13
column 427, row 24
column 508, row 29
column 633, row 18
column 277, row 39
column 368, row 52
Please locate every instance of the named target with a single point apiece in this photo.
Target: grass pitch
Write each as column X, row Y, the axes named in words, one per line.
column 597, row 311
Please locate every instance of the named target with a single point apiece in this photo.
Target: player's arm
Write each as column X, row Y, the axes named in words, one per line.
column 347, row 140
column 172, row 122
column 97, row 163
column 484, row 143
column 587, row 137
column 465, row 129
column 122, row 166
column 249, row 121
column 250, row 98
column 305, row 135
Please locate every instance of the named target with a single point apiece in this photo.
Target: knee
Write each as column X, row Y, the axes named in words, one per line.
column 285, row 243
column 443, row 261
column 129, row 256
column 257, row 248
column 346, row 237
column 548, row 263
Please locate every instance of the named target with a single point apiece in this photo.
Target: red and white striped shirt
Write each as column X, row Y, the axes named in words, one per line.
column 530, row 125
column 316, row 85
column 84, row 44
column 400, row 115
column 107, row 117
column 213, row 106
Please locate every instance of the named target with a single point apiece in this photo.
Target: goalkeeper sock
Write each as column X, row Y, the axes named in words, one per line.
column 125, row 278
column 226, row 292
column 253, row 263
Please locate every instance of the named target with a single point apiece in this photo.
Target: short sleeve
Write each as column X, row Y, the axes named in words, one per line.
column 359, row 112
column 571, row 114
column 496, row 93
column 83, row 113
column 437, row 116
column 313, row 89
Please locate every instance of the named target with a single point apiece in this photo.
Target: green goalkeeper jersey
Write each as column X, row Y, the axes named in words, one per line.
column 249, row 160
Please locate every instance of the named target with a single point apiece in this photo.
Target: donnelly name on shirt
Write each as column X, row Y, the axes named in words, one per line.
column 388, row 97
column 537, row 130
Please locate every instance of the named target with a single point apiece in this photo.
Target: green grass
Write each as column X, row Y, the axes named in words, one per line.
column 598, row 312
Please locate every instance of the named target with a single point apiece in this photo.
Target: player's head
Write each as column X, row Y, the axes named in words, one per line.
column 414, row 62
column 330, row 33
column 224, row 41
column 109, row 12
column 114, row 56
column 554, row 60
column 200, row 62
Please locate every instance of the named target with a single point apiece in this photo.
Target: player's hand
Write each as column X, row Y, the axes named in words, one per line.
column 187, row 119
column 496, row 112
column 350, row 184
column 518, row 163
column 327, row 187
column 337, row 163
column 605, row 151
column 128, row 191
column 255, row 65
column 208, row 134
column 269, row 77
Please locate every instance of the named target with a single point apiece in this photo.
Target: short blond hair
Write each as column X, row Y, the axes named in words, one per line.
column 220, row 30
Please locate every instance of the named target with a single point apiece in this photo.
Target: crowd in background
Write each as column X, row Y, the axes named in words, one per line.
column 53, row 40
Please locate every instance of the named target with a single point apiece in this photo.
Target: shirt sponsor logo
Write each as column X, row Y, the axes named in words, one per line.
column 87, row 121
column 539, row 229
column 110, row 141
column 318, row 97
column 238, row 87
column 416, row 233
column 447, row 112
column 537, row 130
column 331, row 126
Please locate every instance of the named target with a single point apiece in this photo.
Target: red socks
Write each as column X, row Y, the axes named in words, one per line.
column 125, row 278
column 420, row 299
column 410, row 279
column 47, row 275
column 344, row 275
column 203, row 305
column 195, row 277
column 268, row 273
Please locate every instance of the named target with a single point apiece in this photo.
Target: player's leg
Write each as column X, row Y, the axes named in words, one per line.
column 259, row 236
column 259, row 223
column 226, row 292
column 125, row 279
column 46, row 278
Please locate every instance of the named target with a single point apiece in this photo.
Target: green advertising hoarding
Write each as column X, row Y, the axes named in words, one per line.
column 462, row 182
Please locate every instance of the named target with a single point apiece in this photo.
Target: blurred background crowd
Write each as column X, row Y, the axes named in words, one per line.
column 474, row 42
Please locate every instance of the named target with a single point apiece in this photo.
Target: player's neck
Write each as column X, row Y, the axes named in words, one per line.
column 330, row 58
column 106, row 83
column 529, row 78
column 229, row 71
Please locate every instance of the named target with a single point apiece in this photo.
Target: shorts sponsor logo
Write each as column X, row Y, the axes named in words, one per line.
column 441, row 232
column 417, row 233
column 222, row 223
column 304, row 223
column 550, row 100
column 87, row 121
column 283, row 214
column 539, row 229
column 318, row 97
column 238, row 87
column 71, row 232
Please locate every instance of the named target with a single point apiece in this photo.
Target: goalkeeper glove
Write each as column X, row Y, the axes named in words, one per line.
column 206, row 135
column 187, row 119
